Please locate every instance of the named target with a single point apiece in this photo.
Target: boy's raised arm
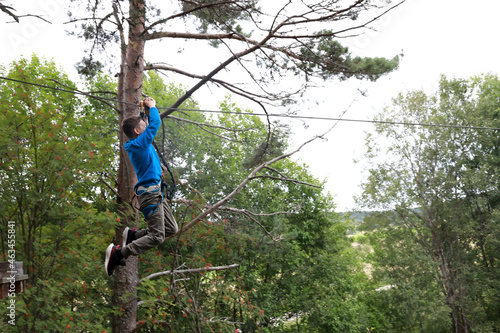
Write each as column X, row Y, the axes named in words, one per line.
column 150, row 102
column 146, row 138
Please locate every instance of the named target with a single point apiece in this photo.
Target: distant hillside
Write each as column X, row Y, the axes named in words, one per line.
column 356, row 217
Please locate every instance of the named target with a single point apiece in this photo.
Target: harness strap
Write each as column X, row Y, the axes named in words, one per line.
column 149, row 211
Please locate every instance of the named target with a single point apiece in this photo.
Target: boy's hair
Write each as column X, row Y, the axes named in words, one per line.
column 129, row 124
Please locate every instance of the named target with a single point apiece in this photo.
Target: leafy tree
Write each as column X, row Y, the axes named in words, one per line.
column 405, row 296
column 52, row 160
column 440, row 183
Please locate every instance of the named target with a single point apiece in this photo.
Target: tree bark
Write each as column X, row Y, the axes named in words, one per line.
column 129, row 93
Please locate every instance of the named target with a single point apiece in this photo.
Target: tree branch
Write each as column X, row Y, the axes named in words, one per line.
column 188, row 271
column 230, row 87
column 203, row 126
column 264, row 44
column 331, row 15
column 217, row 70
column 187, row 12
column 9, row 11
column 108, row 185
column 247, row 212
column 249, row 215
column 190, row 35
column 286, row 179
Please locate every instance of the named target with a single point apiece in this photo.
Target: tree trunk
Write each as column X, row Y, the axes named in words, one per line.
column 129, row 92
column 453, row 294
column 459, row 324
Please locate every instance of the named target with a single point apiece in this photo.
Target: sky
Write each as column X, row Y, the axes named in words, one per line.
column 456, row 38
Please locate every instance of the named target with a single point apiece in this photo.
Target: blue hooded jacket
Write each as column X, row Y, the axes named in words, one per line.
column 143, row 155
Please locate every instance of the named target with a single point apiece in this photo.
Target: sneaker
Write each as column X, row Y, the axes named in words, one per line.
column 128, row 236
column 112, row 259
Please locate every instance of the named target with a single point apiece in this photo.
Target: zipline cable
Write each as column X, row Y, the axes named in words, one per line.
column 279, row 115
column 335, row 119
column 68, row 91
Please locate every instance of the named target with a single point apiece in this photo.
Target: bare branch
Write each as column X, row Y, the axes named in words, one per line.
column 36, row 16
column 203, row 126
column 9, row 11
column 226, row 320
column 246, row 211
column 187, row 12
column 254, row 100
column 230, row 87
column 123, row 44
column 286, row 179
column 99, row 28
column 88, row 19
column 364, row 25
column 210, row 125
column 263, row 44
column 249, row 215
column 332, row 14
column 231, row 209
column 188, row 271
column 190, row 35
column 216, row 70
column 108, row 185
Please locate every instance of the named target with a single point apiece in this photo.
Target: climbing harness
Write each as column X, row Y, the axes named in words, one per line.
column 148, row 211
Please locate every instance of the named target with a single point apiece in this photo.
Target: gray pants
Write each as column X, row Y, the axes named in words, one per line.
column 160, row 225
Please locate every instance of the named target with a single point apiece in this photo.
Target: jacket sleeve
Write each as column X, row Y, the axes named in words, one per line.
column 146, row 138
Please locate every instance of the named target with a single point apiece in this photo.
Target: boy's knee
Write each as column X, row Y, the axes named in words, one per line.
column 172, row 230
column 157, row 238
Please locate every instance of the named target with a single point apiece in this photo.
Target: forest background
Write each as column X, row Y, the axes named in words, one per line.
column 430, row 265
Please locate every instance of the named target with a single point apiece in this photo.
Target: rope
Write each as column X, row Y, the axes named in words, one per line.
column 264, row 114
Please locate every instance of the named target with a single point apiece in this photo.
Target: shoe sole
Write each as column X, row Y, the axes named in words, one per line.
column 109, row 253
column 125, row 236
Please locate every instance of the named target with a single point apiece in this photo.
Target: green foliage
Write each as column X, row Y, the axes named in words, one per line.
column 439, row 246
column 328, row 58
column 405, row 295
column 50, row 172
column 272, row 146
column 220, row 15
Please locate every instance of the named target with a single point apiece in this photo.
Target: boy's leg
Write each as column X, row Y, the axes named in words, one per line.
column 140, row 233
column 130, row 235
column 156, row 230
column 171, row 227
column 113, row 258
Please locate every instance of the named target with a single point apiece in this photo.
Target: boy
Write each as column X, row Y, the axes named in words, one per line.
column 157, row 214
